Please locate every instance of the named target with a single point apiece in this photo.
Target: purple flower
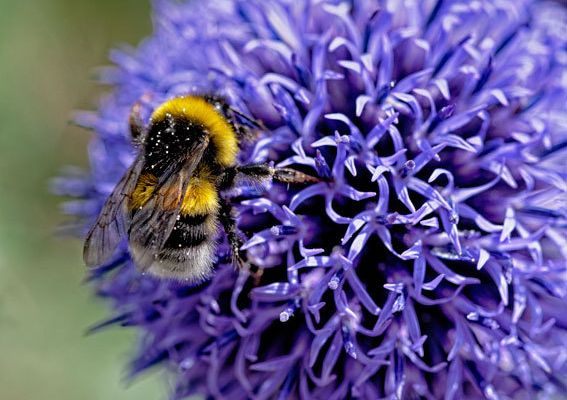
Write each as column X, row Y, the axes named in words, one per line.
column 429, row 262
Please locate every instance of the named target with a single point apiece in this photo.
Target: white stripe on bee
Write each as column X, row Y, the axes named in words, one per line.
column 192, row 264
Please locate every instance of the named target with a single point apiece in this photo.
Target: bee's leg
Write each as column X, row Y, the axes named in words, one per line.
column 261, row 172
column 235, row 241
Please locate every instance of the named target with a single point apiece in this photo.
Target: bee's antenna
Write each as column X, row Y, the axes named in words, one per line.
column 138, row 129
column 254, row 122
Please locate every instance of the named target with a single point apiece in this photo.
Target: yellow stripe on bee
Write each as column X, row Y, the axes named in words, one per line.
column 197, row 109
column 200, row 198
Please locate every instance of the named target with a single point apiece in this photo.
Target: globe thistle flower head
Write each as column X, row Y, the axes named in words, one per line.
column 427, row 262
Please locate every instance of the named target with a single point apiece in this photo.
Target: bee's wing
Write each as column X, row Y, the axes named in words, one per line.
column 153, row 223
column 110, row 226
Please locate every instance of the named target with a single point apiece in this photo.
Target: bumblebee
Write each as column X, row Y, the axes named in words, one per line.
column 171, row 202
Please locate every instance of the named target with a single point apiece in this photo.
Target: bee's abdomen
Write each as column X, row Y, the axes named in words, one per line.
column 188, row 253
column 191, row 231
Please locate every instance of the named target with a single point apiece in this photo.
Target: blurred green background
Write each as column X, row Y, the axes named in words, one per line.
column 49, row 50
